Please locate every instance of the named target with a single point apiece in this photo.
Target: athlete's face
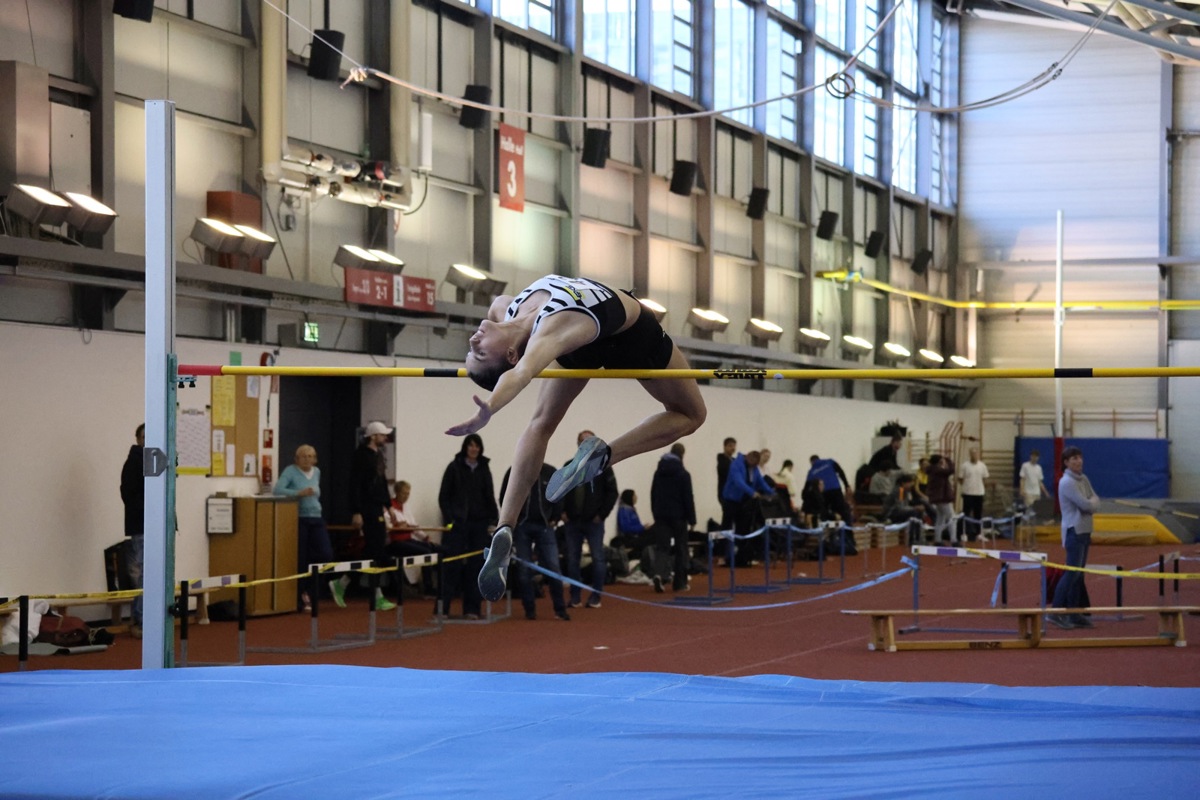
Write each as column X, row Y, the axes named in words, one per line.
column 487, row 347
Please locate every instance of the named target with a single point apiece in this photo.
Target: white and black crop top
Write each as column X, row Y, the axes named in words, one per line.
column 584, row 295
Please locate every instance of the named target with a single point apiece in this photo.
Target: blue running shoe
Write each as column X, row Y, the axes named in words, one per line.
column 590, row 460
column 493, row 578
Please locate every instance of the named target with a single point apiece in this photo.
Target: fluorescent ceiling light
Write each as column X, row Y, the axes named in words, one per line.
column 896, row 351
column 962, row 361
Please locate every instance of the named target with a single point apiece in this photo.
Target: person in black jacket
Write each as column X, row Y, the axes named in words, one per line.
column 585, row 508
column 369, row 504
column 133, row 495
column 674, row 508
column 535, row 528
column 724, row 459
column 468, row 502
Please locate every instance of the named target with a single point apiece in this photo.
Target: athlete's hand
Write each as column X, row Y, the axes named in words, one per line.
column 475, row 423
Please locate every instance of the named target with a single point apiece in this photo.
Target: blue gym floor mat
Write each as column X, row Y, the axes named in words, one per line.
column 359, row 732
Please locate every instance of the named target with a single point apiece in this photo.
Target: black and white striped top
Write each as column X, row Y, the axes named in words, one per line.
column 596, row 300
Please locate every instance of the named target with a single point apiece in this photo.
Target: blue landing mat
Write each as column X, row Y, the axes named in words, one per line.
column 357, row 732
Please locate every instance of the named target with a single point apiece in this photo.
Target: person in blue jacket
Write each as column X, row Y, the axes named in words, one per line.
column 745, row 487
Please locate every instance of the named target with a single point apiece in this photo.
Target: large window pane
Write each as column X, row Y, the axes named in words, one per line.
column 829, row 17
column 608, row 32
column 904, row 61
column 536, row 15
column 672, row 35
column 788, row 7
column 733, row 49
column 829, row 123
column 783, row 49
column 866, row 127
column 866, row 23
column 904, row 146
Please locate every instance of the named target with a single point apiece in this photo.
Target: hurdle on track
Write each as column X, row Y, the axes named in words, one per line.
column 1006, row 557
column 198, row 588
column 712, row 598
column 339, row 641
column 398, row 631
column 767, row 585
column 784, row 525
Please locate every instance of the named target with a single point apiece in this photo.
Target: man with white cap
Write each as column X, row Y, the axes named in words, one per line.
column 369, row 503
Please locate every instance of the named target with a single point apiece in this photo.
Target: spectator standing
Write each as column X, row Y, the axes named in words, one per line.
column 673, row 504
column 302, row 480
column 133, row 495
column 744, row 489
column 468, row 502
column 1032, row 481
column 971, row 477
column 724, row 459
column 585, row 508
column 535, row 532
column 941, row 494
column 1079, row 503
column 833, row 477
column 369, row 502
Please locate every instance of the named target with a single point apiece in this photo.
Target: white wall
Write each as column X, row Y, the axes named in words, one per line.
column 1090, row 144
column 72, row 401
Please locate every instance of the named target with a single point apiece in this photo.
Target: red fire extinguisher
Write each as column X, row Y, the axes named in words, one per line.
column 268, row 476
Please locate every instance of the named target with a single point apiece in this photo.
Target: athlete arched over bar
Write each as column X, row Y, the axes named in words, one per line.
column 574, row 323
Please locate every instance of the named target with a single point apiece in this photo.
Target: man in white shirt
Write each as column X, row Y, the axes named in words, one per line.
column 1032, row 481
column 971, row 477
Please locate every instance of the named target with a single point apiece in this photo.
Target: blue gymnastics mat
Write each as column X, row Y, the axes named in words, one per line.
column 359, row 732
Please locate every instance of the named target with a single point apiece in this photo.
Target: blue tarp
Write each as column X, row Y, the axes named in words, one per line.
column 1117, row 468
column 359, row 732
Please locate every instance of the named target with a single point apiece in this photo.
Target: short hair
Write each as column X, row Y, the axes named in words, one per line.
column 305, row 447
column 905, row 477
column 787, row 462
column 813, row 458
column 678, row 449
column 1070, row 452
column 627, row 497
column 402, row 484
column 730, row 440
column 141, row 429
column 935, row 459
column 1034, row 452
column 487, row 377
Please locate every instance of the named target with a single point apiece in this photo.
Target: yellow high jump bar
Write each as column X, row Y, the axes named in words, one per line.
column 186, row 371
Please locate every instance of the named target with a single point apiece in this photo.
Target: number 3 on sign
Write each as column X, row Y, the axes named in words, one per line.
column 511, row 163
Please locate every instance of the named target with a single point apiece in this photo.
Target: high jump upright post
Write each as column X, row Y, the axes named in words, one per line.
column 158, row 455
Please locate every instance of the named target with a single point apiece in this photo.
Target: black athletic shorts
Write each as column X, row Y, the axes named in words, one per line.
column 643, row 345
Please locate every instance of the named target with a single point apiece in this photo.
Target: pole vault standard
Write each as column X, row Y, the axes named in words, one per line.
column 191, row 371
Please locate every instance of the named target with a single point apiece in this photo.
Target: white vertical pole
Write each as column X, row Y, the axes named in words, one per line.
column 158, row 628
column 1059, row 318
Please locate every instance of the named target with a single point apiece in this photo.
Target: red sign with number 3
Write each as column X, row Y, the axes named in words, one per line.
column 511, row 161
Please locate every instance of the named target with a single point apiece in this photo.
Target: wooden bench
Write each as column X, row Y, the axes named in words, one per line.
column 1028, row 630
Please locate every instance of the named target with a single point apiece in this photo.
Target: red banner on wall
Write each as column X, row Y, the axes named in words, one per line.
column 511, row 160
column 366, row 287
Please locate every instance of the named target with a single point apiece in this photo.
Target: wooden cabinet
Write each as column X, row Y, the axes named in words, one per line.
column 262, row 545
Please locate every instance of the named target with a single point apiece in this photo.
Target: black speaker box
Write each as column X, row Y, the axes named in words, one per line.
column 683, row 177
column 757, row 206
column 874, row 244
column 922, row 261
column 595, row 147
column 827, row 225
column 325, row 60
column 471, row 117
column 134, row 9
